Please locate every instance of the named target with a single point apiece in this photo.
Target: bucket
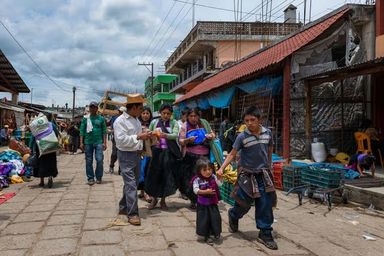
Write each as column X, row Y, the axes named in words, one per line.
column 319, row 153
column 333, row 151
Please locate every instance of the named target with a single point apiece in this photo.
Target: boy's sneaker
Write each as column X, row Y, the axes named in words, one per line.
column 91, row 182
column 98, row 181
column 233, row 224
column 267, row 240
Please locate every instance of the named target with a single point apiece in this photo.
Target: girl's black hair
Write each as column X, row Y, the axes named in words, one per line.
column 146, row 108
column 202, row 163
column 166, row 106
column 184, row 111
column 252, row 111
column 194, row 110
column 368, row 161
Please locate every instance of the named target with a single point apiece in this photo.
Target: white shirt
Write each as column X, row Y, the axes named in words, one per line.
column 126, row 129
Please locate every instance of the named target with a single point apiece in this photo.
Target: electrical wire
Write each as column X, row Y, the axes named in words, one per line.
column 158, row 30
column 182, row 19
column 170, row 25
column 33, row 61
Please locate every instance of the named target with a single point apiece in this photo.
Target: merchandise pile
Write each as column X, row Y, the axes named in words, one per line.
column 13, row 167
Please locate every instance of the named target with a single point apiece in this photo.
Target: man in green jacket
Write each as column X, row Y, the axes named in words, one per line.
column 93, row 140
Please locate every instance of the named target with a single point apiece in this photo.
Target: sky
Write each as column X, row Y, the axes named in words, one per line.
column 96, row 45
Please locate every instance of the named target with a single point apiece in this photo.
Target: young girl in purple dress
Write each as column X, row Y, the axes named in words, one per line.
column 206, row 187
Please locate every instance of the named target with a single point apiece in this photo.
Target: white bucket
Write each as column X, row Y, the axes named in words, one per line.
column 319, row 153
column 333, row 151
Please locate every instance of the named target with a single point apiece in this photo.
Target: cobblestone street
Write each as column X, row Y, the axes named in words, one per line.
column 73, row 218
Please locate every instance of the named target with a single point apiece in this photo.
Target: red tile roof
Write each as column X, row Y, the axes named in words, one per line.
column 264, row 58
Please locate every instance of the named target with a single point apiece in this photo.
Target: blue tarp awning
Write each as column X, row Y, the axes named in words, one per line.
column 223, row 98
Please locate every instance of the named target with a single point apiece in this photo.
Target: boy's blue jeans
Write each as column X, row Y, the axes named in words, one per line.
column 263, row 207
column 98, row 149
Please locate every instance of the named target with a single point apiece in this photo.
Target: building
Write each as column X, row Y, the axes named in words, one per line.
column 159, row 92
column 212, row 45
column 274, row 79
column 11, row 82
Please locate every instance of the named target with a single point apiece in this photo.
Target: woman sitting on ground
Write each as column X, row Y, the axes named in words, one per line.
column 362, row 162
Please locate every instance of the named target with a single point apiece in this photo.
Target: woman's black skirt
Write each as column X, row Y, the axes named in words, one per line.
column 160, row 180
column 208, row 220
column 46, row 166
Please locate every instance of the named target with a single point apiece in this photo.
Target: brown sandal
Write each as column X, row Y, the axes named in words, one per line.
column 147, row 198
column 153, row 204
column 163, row 206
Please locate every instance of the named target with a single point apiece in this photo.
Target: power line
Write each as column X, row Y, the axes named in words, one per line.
column 185, row 15
column 158, row 30
column 30, row 57
column 170, row 25
column 210, row 6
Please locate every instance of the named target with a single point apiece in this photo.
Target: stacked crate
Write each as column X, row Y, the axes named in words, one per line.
column 225, row 192
column 278, row 174
column 292, row 177
column 322, row 177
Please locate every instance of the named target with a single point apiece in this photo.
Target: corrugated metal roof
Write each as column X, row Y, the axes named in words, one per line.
column 11, row 75
column 265, row 57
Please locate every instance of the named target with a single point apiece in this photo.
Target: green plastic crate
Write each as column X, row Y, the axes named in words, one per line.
column 225, row 191
column 322, row 177
column 292, row 177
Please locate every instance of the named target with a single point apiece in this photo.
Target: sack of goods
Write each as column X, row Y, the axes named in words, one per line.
column 19, row 147
column 44, row 134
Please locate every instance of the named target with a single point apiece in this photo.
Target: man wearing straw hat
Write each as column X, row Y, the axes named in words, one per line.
column 129, row 142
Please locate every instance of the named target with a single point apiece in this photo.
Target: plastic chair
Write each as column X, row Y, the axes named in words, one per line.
column 363, row 142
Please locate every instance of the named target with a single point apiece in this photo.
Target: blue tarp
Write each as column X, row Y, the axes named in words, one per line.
column 203, row 103
column 221, row 99
column 263, row 83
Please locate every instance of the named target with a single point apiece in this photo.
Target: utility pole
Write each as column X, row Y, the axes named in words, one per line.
column 73, row 102
column 310, row 10
column 305, row 11
column 31, row 95
column 151, row 71
column 193, row 12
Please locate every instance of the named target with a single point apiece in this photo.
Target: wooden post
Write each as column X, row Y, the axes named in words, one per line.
column 308, row 118
column 286, row 108
column 342, row 114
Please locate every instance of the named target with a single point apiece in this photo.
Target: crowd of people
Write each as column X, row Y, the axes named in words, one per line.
column 158, row 156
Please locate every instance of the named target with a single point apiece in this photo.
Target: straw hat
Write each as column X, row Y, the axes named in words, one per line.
column 135, row 98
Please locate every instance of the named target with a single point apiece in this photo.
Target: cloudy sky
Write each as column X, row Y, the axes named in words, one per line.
column 96, row 44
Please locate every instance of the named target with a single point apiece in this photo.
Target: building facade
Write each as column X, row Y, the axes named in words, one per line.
column 211, row 46
column 158, row 92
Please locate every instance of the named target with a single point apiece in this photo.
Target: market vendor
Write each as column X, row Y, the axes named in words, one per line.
column 4, row 135
column 362, row 162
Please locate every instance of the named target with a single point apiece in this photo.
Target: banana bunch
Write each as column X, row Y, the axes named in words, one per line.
column 230, row 174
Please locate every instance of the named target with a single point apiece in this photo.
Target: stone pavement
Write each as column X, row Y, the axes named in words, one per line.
column 73, row 218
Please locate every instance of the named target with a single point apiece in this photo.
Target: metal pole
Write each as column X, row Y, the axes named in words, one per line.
column 151, row 71
column 310, row 10
column 193, row 12
column 31, row 95
column 73, row 102
column 153, row 107
column 305, row 10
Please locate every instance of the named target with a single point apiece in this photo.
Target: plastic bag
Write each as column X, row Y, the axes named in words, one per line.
column 198, row 133
column 46, row 139
column 39, row 125
column 48, row 144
